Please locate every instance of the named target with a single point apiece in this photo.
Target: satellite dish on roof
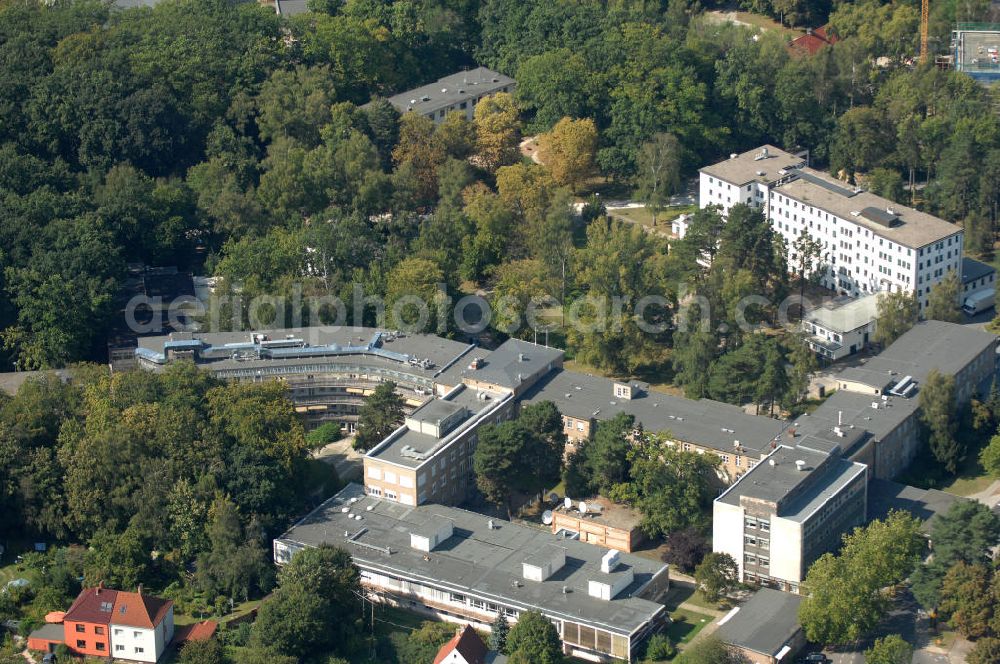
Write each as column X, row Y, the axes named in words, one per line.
column 583, row 507
column 547, row 517
column 568, row 503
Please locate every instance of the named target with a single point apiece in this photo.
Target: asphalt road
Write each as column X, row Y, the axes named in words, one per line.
column 903, row 619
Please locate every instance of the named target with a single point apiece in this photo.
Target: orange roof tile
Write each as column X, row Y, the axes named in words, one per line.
column 138, row 610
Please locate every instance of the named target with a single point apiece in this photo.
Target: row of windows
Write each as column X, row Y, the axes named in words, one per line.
column 757, row 541
column 764, row 525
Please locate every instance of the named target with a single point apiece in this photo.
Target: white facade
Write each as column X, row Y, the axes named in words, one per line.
column 838, row 332
column 727, row 531
column 142, row 644
column 869, row 244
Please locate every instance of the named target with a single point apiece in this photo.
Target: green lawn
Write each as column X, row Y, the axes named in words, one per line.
column 686, row 624
column 8, row 568
column 927, row 473
column 238, row 610
column 641, row 215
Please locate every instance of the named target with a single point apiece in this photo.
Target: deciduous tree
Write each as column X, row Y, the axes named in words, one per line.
column 534, row 640
column 658, row 169
column 568, row 151
column 891, row 649
column 497, row 131
column 380, row 415
column 717, row 576
column 942, row 303
column 897, row 312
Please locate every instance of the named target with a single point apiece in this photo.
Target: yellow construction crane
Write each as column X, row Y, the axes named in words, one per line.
column 925, row 14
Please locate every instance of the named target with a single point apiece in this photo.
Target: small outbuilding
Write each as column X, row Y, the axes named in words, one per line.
column 765, row 629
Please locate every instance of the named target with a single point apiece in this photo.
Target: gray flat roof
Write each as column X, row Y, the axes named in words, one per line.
column 291, row 7
column 442, row 353
column 477, row 560
column 50, row 632
column 973, row 269
column 925, row 504
column 704, row 422
column 930, row 344
column 451, row 89
column 436, row 410
column 823, row 477
column 915, row 229
column 744, row 167
column 514, row 362
column 855, row 413
column 392, row 448
column 764, row 623
column 846, row 316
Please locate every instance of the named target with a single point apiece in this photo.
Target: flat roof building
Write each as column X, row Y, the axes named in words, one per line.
column 881, row 396
column 802, row 500
column 460, row 92
column 429, row 458
column 765, row 629
column 465, row 567
column 328, row 369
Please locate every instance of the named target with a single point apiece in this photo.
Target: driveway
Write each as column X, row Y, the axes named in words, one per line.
column 905, row 619
column 343, row 457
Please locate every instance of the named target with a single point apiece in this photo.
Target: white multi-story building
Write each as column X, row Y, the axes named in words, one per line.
column 141, row 626
column 789, row 510
column 868, row 243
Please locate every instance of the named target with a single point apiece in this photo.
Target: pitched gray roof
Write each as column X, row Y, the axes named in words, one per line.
column 454, row 88
column 703, row 422
column 973, row 269
column 515, row 362
column 913, row 228
column 764, row 624
column 925, row 504
column 930, row 344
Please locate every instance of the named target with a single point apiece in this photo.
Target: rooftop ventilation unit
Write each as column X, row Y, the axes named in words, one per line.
column 609, row 561
column 800, row 465
column 543, row 564
column 429, row 535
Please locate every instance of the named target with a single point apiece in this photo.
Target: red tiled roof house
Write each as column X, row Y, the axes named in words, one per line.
column 465, row 648
column 141, row 626
column 85, row 625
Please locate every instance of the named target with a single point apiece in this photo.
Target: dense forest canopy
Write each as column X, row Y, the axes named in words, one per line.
column 222, row 138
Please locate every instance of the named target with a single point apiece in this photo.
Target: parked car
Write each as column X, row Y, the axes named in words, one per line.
column 815, row 658
column 50, row 658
